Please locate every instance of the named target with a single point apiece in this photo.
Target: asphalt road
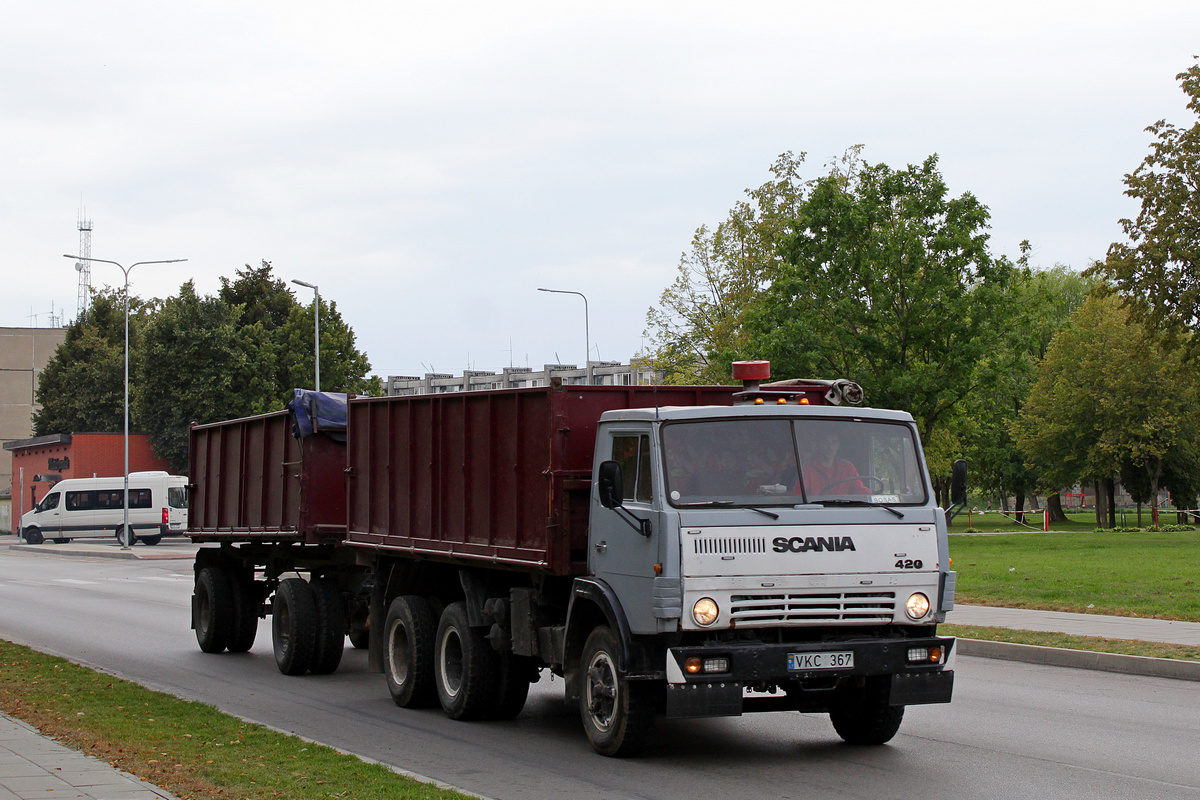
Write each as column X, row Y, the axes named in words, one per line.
column 1014, row 730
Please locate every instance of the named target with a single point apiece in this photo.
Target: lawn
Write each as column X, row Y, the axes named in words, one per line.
column 1144, row 574
column 190, row 749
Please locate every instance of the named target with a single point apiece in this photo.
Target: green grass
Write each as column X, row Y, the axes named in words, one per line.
column 1097, row 644
column 190, row 749
column 1142, row 574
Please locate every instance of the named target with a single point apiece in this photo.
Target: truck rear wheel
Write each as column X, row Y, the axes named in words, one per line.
column 513, row 676
column 294, row 626
column 214, row 609
column 410, row 639
column 862, row 715
column 246, row 602
column 465, row 666
column 331, row 627
column 617, row 713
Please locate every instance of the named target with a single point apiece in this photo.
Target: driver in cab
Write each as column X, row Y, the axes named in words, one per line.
column 825, row 473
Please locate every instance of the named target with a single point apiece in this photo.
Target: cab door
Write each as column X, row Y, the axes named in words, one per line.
column 49, row 517
column 620, row 554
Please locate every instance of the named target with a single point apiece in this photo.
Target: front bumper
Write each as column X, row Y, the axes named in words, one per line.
column 757, row 664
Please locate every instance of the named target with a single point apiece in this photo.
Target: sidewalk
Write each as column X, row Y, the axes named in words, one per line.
column 1136, row 628
column 170, row 548
column 32, row 765
column 1147, row 630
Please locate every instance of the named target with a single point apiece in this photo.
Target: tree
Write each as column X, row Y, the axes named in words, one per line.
column 1157, row 272
column 198, row 364
column 344, row 368
column 196, row 359
column 888, row 281
column 697, row 330
column 1040, row 304
column 1107, row 397
column 82, row 387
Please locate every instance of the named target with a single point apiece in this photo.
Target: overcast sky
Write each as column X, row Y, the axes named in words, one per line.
column 431, row 164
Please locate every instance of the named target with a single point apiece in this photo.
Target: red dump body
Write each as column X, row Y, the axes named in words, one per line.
column 499, row 478
column 252, row 480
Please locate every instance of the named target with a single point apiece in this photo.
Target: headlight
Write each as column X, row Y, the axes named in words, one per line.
column 917, row 606
column 705, row 612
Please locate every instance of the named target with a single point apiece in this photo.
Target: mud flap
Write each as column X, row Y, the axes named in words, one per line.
column 918, row 688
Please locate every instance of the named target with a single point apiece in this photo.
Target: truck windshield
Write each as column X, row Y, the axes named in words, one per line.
column 757, row 462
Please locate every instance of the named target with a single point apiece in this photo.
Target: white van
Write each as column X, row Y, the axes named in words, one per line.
column 83, row 507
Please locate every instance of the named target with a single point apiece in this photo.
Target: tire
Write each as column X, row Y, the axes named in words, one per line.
column 513, row 677
column 862, row 715
column 132, row 537
column 33, row 536
column 360, row 626
column 465, row 666
column 246, row 602
column 331, row 627
column 61, row 540
column 294, row 626
column 410, row 639
column 214, row 600
column 150, row 540
column 617, row 713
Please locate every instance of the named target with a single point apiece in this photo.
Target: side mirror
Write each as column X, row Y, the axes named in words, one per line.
column 958, row 483
column 611, row 484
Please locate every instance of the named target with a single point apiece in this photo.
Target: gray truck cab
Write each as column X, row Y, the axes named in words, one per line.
column 778, row 552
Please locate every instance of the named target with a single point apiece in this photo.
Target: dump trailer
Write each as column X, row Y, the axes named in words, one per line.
column 677, row 551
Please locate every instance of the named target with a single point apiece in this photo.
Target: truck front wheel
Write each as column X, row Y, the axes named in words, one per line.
column 465, row 665
column 617, row 713
column 294, row 626
column 410, row 638
column 862, row 715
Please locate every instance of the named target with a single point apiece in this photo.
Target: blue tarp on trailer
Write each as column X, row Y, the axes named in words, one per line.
column 318, row 412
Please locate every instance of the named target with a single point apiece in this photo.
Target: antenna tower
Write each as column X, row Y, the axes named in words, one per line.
column 84, row 267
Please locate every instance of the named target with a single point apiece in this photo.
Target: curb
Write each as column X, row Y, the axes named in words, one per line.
column 1082, row 659
column 96, row 552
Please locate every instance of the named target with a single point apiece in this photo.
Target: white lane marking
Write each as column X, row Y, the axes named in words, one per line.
column 73, row 580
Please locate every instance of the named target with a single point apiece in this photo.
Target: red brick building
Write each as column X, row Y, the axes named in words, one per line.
column 45, row 460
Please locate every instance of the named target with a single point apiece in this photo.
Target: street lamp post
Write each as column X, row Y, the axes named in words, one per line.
column 316, row 329
column 126, row 533
column 587, row 338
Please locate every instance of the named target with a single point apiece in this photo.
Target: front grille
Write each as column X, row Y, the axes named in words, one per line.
column 730, row 545
column 824, row 606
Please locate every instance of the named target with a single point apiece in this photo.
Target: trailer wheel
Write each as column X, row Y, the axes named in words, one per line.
column 862, row 715
column 465, row 666
column 410, row 638
column 514, row 674
column 33, row 536
column 246, row 602
column 331, row 627
column 617, row 713
column 294, row 626
column 214, row 609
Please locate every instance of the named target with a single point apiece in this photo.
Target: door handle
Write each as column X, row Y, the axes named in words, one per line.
column 601, row 547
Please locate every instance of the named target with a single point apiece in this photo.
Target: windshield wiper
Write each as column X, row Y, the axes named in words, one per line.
column 726, row 504
column 858, row 503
